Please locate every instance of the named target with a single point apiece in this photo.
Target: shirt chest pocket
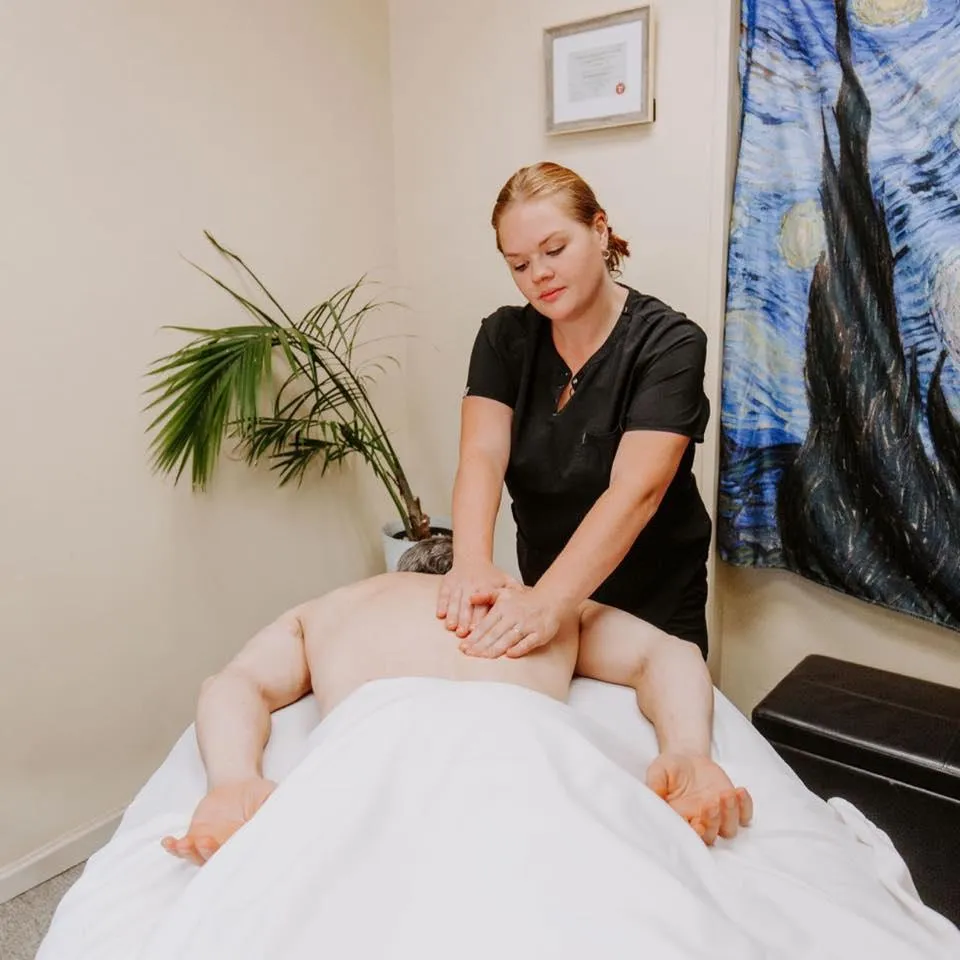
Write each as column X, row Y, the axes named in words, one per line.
column 593, row 459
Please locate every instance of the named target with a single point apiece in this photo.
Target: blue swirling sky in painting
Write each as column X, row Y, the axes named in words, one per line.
column 907, row 56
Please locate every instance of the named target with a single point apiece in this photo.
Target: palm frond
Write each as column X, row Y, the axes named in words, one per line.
column 322, row 401
column 333, row 328
column 292, row 446
column 320, row 411
column 345, row 325
column 292, row 463
column 378, row 365
column 260, row 315
column 234, row 258
column 201, row 388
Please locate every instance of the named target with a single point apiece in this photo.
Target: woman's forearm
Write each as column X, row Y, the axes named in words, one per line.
column 596, row 547
column 476, row 500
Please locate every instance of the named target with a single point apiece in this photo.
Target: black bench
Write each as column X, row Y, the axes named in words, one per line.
column 887, row 743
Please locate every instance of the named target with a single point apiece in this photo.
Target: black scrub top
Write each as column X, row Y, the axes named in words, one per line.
column 648, row 375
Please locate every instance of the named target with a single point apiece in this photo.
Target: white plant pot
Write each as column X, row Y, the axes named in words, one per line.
column 394, row 546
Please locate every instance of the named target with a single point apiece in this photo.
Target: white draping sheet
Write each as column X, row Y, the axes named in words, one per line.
column 427, row 818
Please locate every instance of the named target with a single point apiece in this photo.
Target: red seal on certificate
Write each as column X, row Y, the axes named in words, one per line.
column 621, row 88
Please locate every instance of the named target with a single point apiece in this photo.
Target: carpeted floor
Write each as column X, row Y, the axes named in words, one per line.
column 25, row 919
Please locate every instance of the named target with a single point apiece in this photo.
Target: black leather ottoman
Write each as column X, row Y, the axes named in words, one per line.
column 891, row 746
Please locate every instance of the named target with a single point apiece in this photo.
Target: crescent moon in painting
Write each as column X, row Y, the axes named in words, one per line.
column 888, row 13
column 802, row 235
column 945, row 302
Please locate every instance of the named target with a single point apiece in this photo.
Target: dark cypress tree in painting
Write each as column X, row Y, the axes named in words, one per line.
column 865, row 506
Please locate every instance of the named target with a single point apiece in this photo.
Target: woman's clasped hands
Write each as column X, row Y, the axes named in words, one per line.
column 493, row 614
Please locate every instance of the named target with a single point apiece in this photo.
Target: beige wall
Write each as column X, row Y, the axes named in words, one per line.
column 771, row 620
column 284, row 130
column 127, row 130
column 470, row 113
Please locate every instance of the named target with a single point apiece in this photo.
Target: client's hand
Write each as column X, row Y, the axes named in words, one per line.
column 699, row 790
column 219, row 815
column 519, row 621
column 464, row 581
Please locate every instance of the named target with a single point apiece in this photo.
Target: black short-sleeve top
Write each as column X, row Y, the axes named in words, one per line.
column 648, row 375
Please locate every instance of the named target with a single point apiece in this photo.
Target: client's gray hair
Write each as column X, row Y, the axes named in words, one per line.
column 433, row 555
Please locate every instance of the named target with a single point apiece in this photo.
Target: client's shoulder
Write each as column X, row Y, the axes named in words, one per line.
column 371, row 588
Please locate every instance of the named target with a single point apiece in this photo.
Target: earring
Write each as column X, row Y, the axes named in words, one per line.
column 606, row 254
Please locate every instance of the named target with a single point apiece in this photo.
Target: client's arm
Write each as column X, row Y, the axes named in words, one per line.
column 675, row 692
column 233, row 726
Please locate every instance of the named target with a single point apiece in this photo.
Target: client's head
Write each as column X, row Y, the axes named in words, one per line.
column 433, row 555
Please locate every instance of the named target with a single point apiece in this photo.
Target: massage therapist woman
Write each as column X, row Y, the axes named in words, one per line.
column 587, row 403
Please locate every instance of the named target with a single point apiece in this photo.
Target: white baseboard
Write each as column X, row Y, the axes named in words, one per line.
column 55, row 857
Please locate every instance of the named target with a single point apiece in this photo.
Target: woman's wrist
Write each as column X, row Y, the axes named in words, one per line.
column 472, row 555
column 556, row 597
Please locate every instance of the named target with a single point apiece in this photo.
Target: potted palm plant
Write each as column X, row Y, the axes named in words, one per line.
column 291, row 392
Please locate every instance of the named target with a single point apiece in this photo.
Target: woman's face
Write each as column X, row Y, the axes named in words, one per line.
column 556, row 261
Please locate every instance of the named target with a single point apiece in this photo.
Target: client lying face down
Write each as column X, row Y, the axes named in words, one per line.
column 386, row 627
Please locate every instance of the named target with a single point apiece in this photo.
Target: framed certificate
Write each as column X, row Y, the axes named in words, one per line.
column 599, row 72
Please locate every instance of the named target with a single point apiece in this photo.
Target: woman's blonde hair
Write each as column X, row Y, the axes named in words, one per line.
column 552, row 180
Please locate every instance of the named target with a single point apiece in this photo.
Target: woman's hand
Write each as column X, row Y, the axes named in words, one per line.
column 465, row 581
column 519, row 621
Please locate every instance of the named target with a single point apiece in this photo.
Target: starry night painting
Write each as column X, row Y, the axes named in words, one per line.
column 840, row 421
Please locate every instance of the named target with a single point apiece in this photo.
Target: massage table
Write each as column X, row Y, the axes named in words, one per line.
column 817, row 877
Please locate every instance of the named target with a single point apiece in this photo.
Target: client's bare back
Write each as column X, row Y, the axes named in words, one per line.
column 387, row 627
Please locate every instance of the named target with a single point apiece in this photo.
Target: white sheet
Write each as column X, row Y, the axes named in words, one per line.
column 440, row 793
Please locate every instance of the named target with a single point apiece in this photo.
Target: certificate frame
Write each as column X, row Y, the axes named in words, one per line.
column 599, row 72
